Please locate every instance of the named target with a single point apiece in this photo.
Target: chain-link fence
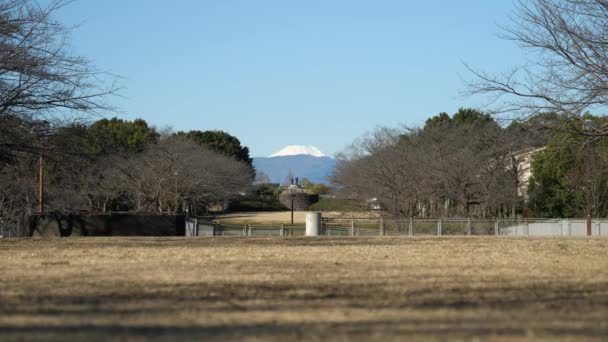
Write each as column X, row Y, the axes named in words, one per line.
column 375, row 227
column 197, row 227
column 411, row 227
column 13, row 228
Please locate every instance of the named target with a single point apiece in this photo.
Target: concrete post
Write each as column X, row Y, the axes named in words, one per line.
column 526, row 227
column 382, row 228
column 352, row 227
column 439, row 227
column 468, row 226
column 497, row 228
column 195, row 227
column 411, row 227
column 313, row 224
column 282, row 231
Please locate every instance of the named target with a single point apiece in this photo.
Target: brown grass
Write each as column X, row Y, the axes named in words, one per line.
column 453, row 288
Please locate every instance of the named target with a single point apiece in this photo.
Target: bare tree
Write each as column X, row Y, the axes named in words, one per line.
column 42, row 87
column 261, row 178
column 566, row 73
column 448, row 170
column 39, row 79
column 377, row 170
column 176, row 171
column 17, row 191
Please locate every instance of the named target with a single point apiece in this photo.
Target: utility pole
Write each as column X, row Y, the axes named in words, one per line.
column 587, row 128
column 41, row 130
column 41, row 181
column 175, row 173
column 292, row 195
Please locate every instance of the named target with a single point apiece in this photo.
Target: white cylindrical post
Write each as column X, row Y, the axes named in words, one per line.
column 411, row 227
column 439, row 227
column 313, row 224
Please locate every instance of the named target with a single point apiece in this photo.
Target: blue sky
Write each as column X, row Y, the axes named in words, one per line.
column 282, row 72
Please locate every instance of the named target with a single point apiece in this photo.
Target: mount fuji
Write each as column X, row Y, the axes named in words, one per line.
column 296, row 150
column 302, row 161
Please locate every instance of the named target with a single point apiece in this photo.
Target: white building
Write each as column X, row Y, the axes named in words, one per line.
column 524, row 168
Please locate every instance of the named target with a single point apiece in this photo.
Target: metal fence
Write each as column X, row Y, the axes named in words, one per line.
column 385, row 227
column 196, row 227
column 10, row 232
column 12, row 229
column 412, row 227
column 555, row 227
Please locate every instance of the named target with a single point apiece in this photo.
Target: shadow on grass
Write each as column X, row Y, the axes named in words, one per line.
column 441, row 329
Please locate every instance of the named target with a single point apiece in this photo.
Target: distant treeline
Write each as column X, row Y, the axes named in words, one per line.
column 468, row 164
column 120, row 165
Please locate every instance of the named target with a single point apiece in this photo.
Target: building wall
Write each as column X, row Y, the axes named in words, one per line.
column 524, row 160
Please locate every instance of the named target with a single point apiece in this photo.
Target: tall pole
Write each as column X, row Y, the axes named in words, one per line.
column 41, row 181
column 175, row 173
column 292, row 196
column 587, row 128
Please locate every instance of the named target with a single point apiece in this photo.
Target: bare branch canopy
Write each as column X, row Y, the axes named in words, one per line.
column 567, row 71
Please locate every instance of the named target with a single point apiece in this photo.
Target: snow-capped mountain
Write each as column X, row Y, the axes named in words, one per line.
column 303, row 162
column 294, row 150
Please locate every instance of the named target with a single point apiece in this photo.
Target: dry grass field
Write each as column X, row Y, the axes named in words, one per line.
column 453, row 288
